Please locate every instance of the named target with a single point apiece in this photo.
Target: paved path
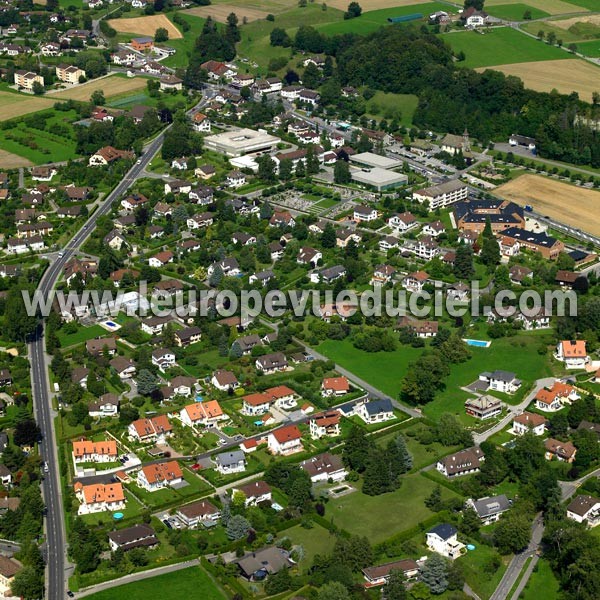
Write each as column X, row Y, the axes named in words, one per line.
column 568, row 488
column 513, row 411
column 136, row 577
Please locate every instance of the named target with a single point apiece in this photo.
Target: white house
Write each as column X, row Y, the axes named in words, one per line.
column 443, row 540
column 99, row 497
column 325, row 424
column 585, row 509
column 573, row 353
column 163, row 358
column 403, row 222
column 461, row 463
column 160, row 475
column 529, row 422
column 255, row 492
column 224, row 380
column 230, row 462
column 96, row 452
column 375, row 411
column 324, row 467
column 205, row 413
column 285, row 441
column 501, row 381
column 489, row 510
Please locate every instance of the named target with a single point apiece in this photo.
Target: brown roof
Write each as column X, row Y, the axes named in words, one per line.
column 405, row 565
column 582, row 505
column 255, row 489
column 562, row 449
column 322, row 463
column 465, row 460
column 200, row 508
column 529, row 419
column 9, row 567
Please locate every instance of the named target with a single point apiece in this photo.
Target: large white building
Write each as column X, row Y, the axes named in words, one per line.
column 241, row 141
column 442, row 195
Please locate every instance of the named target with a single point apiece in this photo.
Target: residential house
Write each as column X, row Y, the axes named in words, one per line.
column 561, row 451
column 375, row 411
column 489, row 510
column 365, row 213
column 500, row 381
column 154, row 325
column 285, row 441
column 99, row 497
column 271, row 363
column 153, row 429
column 262, row 277
column 325, row 467
column 163, row 358
column 124, row 367
column 282, row 219
column 230, row 462
column 142, row 44
column 160, row 475
column 443, row 540
column 328, row 275
column 259, row 564
column 235, row 179
column 483, row 407
column 196, row 513
column 108, row 155
column 415, row 282
column 207, row 413
column 187, row 336
column 170, row 82
column 585, row 509
column 529, row 422
column 9, row 567
column 335, row 386
column 255, row 492
column 325, row 424
column 402, row 222
column 573, row 353
column 97, row 452
column 106, row 406
column 99, row 346
column 224, row 380
column 69, row 73
column 379, row 575
column 422, row 329
column 201, row 123
column 137, row 536
column 460, row 463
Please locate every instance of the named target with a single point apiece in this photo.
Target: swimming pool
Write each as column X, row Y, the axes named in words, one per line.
column 477, row 343
column 118, row 516
column 110, row 325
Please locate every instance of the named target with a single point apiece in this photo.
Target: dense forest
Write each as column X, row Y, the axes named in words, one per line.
column 491, row 105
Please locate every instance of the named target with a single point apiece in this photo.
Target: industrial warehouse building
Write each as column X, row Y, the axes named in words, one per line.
column 379, row 179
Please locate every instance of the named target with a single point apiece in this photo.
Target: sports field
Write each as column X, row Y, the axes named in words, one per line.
column 554, row 7
column 374, row 19
column 12, row 161
column 566, row 203
column 145, row 25
column 566, row 76
column 220, row 12
column 500, row 46
column 15, row 105
column 186, row 583
column 112, row 85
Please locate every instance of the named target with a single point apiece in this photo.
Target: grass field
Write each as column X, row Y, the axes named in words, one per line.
column 500, row 47
column 186, row 583
column 566, row 76
column 220, row 12
column 113, row 85
column 361, row 515
column 566, row 203
column 554, row 7
column 14, row 105
column 83, row 335
column 184, row 44
column 384, row 370
column 590, row 48
column 589, row 4
column 548, row 26
column 373, row 20
column 370, row 5
column 515, row 12
column 389, row 105
column 573, row 22
column 541, row 584
column 145, row 25
column 316, row 540
column 12, row 161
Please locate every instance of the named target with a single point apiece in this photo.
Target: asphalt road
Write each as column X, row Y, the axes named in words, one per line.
column 55, row 526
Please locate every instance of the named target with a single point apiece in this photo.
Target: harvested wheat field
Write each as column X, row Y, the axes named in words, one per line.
column 368, row 5
column 566, row 76
column 566, row 23
column 145, row 26
column 220, row 12
column 112, row 85
column 15, row 105
column 566, row 203
column 553, row 7
column 12, row 161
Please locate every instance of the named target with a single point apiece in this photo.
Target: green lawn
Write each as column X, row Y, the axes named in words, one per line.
column 187, row 583
column 316, row 540
column 499, row 47
column 362, row 515
column 590, row 4
column 384, row 370
column 372, row 20
column 542, row 583
column 83, row 335
column 473, row 564
column 386, row 106
column 184, row 45
column 515, row 12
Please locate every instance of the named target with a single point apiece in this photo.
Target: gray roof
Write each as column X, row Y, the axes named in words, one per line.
column 271, row 560
column 487, row 507
column 379, row 406
column 230, row 458
column 445, row 531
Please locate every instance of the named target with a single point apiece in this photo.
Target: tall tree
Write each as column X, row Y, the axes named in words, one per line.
column 434, row 574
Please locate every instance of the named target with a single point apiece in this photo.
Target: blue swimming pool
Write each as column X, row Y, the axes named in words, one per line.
column 118, row 516
column 110, row 323
column 478, row 343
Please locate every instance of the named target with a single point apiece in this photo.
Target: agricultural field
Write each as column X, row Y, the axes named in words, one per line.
column 573, row 23
column 566, row 76
column 360, row 514
column 12, row 161
column 515, row 12
column 41, row 138
column 566, row 203
column 500, row 46
column 113, row 85
column 373, row 20
column 590, row 48
column 554, row 7
column 387, row 105
column 193, row 582
column 369, row 5
column 220, row 12
column 15, row 105
column 145, row 25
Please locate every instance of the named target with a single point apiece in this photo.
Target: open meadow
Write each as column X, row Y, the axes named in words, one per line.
column 145, row 25
column 220, row 12
column 16, row 105
column 515, row 12
column 565, row 76
column 500, row 46
column 113, row 85
column 566, row 203
column 12, row 161
column 186, row 583
column 554, row 7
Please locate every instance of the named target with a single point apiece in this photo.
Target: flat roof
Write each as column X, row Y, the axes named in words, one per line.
column 375, row 160
column 378, row 177
column 241, row 138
